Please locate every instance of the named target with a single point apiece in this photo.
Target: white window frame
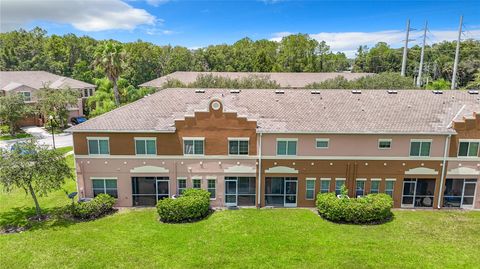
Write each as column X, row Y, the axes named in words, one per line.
column 178, row 184
column 393, row 187
column 98, row 138
column 196, row 179
column 307, row 189
column 322, row 140
column 214, row 189
column 379, row 180
column 238, row 139
column 145, row 138
column 194, row 139
column 23, row 95
column 384, row 140
column 421, row 141
column 329, row 180
column 287, row 140
column 364, row 180
column 468, row 141
column 104, row 179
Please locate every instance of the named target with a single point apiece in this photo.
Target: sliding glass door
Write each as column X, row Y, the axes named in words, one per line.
column 418, row 192
column 281, row 191
column 240, row 191
column 231, row 192
column 146, row 191
column 459, row 193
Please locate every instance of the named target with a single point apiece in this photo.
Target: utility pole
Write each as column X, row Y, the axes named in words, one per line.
column 419, row 78
column 405, row 49
column 457, row 55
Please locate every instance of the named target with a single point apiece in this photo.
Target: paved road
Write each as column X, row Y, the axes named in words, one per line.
column 43, row 137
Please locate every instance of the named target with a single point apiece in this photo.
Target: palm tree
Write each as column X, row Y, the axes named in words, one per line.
column 110, row 57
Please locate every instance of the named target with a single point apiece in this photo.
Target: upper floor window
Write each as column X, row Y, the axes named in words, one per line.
column 468, row 148
column 27, row 96
column 384, row 143
column 238, row 146
column 193, row 146
column 145, row 145
column 420, row 148
column 322, row 143
column 98, row 146
column 286, row 146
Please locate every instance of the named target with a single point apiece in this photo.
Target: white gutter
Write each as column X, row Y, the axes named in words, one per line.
column 444, row 164
column 259, row 171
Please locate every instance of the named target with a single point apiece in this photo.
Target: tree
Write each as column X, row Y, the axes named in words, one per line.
column 33, row 168
column 12, row 110
column 55, row 102
column 440, row 84
column 110, row 58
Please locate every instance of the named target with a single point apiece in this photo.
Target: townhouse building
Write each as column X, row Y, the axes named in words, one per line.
column 281, row 148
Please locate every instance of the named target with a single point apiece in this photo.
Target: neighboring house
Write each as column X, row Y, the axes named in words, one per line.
column 418, row 146
column 28, row 83
column 285, row 80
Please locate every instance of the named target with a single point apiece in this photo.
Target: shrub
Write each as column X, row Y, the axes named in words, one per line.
column 98, row 207
column 192, row 205
column 373, row 208
column 4, row 129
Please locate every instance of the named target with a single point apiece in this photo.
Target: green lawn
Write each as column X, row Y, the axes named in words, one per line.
column 17, row 136
column 246, row 238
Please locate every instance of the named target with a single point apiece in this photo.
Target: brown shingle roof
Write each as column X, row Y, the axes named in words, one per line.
column 286, row 80
column 37, row 80
column 331, row 111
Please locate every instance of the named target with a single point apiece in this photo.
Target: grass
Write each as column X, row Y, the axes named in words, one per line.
column 16, row 136
column 246, row 238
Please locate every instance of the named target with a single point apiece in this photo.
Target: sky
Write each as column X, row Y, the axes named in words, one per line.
column 344, row 25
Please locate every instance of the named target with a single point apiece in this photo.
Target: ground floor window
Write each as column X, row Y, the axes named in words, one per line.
column 182, row 185
column 324, row 185
column 360, row 188
column 338, row 185
column 240, row 191
column 310, row 189
column 146, row 191
column 374, row 186
column 418, row 192
column 212, row 188
column 107, row 186
column 197, row 183
column 389, row 187
column 281, row 191
column 459, row 193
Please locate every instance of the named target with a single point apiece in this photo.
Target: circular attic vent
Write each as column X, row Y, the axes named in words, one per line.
column 216, row 105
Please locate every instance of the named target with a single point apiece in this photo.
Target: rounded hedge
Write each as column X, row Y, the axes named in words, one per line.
column 99, row 206
column 191, row 206
column 373, row 208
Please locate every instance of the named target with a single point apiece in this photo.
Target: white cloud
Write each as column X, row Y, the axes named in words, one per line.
column 348, row 42
column 84, row 15
column 156, row 3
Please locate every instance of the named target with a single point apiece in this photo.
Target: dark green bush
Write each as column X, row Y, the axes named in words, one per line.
column 98, row 207
column 373, row 208
column 191, row 206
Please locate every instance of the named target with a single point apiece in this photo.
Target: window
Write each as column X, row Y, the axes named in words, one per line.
column 182, row 185
column 146, row 146
column 322, row 143
column 375, row 185
column 384, row 143
column 338, row 185
column 27, row 96
column 212, row 188
column 310, row 189
column 360, row 187
column 193, row 146
column 468, row 149
column 420, row 148
column 238, row 146
column 389, row 185
column 196, row 183
column 324, row 185
column 107, row 186
column 98, row 146
column 85, row 93
column 287, row 147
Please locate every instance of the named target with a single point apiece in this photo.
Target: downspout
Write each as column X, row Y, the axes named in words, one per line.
column 444, row 164
column 259, row 171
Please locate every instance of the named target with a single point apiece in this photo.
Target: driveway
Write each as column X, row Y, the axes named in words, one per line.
column 43, row 137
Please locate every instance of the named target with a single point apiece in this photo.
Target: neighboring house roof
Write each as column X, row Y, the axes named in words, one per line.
column 38, row 79
column 330, row 111
column 286, row 80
